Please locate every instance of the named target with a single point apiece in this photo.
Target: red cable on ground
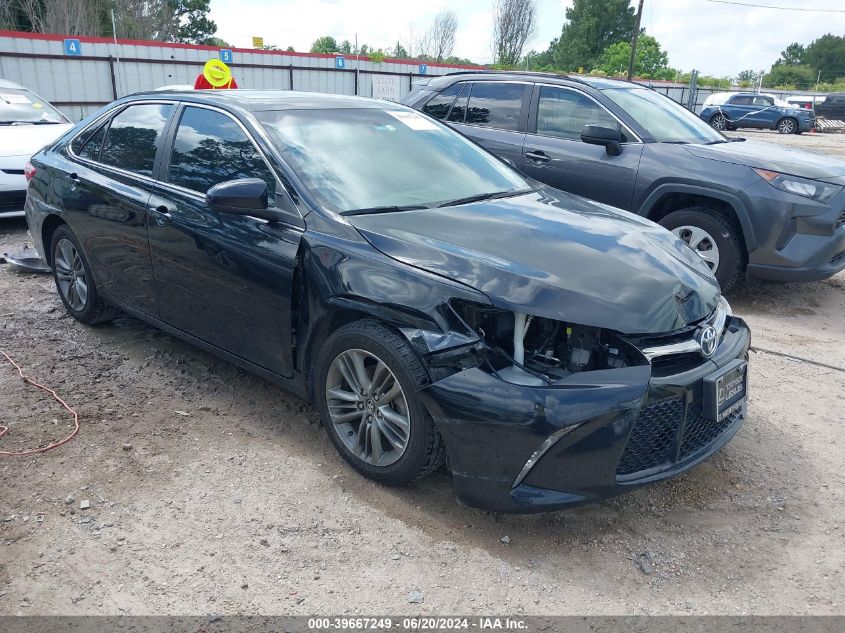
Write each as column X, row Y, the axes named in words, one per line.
column 31, row 451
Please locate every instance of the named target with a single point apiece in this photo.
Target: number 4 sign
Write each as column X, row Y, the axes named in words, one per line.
column 73, row 47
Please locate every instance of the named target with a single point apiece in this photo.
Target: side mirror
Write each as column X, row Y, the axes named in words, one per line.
column 610, row 137
column 245, row 196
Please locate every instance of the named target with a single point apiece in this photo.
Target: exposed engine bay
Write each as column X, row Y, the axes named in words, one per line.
column 530, row 350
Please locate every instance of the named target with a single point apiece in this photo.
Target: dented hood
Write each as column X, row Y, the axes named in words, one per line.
column 558, row 256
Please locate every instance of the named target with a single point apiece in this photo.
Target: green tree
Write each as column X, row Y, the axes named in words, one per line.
column 591, row 27
column 792, row 55
column 195, row 27
column 746, row 77
column 345, row 47
column 651, row 61
column 290, row 49
column 325, row 44
column 400, row 52
column 790, row 76
column 826, row 54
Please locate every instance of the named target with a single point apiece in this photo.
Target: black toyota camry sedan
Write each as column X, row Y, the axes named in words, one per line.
column 433, row 303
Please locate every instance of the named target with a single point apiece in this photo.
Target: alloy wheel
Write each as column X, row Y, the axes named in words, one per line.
column 719, row 122
column 786, row 126
column 701, row 242
column 368, row 407
column 70, row 274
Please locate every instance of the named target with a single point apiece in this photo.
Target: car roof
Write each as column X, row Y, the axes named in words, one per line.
column 260, row 100
column 5, row 83
column 599, row 83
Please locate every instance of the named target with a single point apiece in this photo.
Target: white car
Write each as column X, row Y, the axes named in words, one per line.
column 27, row 123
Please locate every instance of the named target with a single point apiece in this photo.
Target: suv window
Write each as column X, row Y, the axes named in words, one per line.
column 211, row 148
column 563, row 113
column 438, row 106
column 459, row 110
column 741, row 100
column 495, row 104
column 88, row 145
column 764, row 102
column 134, row 135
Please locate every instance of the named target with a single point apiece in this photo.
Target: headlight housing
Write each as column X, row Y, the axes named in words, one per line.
column 531, row 350
column 805, row 187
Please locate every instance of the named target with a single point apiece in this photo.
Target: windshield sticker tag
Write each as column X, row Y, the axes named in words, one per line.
column 412, row 120
column 14, row 98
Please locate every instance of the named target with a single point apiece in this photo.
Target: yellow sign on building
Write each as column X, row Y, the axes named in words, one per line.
column 257, row 42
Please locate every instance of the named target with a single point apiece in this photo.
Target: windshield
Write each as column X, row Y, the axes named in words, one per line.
column 370, row 159
column 665, row 120
column 21, row 107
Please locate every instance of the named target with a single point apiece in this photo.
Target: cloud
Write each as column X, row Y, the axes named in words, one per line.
column 716, row 39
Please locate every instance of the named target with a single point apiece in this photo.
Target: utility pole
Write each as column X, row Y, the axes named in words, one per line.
column 634, row 42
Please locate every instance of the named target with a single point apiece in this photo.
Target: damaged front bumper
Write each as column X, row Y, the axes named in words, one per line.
column 589, row 436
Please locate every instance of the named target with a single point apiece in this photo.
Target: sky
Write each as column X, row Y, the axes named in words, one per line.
column 714, row 38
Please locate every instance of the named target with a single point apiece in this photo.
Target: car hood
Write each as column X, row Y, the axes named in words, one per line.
column 775, row 158
column 26, row 140
column 558, row 256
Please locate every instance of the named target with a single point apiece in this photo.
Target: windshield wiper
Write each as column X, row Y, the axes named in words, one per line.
column 676, row 142
column 718, row 141
column 388, row 208
column 484, row 196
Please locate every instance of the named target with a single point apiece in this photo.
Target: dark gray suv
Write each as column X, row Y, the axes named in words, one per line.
column 773, row 212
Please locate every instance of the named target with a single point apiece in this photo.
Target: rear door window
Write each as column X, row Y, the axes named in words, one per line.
column 741, row 100
column 134, row 137
column 439, row 105
column 210, row 148
column 563, row 113
column 88, row 145
column 459, row 110
column 495, row 104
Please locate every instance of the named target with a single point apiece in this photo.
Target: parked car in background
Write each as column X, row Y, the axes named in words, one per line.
column 425, row 295
column 27, row 123
column 806, row 102
column 735, row 110
column 833, row 107
column 773, row 212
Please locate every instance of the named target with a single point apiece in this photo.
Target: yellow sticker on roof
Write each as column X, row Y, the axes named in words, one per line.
column 412, row 120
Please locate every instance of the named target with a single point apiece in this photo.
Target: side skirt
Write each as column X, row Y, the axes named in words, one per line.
column 296, row 385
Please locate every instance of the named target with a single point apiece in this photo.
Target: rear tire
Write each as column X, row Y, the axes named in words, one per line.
column 75, row 282
column 787, row 125
column 713, row 234
column 391, row 441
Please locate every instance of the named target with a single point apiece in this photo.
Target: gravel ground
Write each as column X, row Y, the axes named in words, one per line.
column 213, row 491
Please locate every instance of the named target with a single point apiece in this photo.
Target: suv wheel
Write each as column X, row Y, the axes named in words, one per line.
column 75, row 282
column 366, row 382
column 713, row 237
column 719, row 122
column 787, row 125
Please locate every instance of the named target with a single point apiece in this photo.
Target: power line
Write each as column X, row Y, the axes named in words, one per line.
column 771, row 6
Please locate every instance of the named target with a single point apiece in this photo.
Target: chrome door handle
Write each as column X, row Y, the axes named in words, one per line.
column 161, row 215
column 540, row 157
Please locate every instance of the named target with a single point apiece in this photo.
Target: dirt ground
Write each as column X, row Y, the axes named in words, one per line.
column 213, row 491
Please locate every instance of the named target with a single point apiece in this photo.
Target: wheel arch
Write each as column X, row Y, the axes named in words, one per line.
column 668, row 198
column 48, row 229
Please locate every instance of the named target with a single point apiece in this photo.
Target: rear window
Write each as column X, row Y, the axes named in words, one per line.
column 88, row 145
column 19, row 107
column 495, row 104
column 134, row 135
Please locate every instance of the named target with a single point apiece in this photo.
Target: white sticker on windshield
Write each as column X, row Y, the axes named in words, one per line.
column 14, row 98
column 412, row 120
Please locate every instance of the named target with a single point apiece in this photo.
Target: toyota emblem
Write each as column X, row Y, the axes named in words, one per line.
column 707, row 340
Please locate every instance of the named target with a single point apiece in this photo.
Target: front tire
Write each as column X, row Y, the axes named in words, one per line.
column 366, row 380
column 719, row 122
column 75, row 282
column 713, row 237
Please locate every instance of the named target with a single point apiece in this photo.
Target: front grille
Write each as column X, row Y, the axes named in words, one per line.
column 12, row 201
column 699, row 432
column 836, row 259
column 652, row 440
